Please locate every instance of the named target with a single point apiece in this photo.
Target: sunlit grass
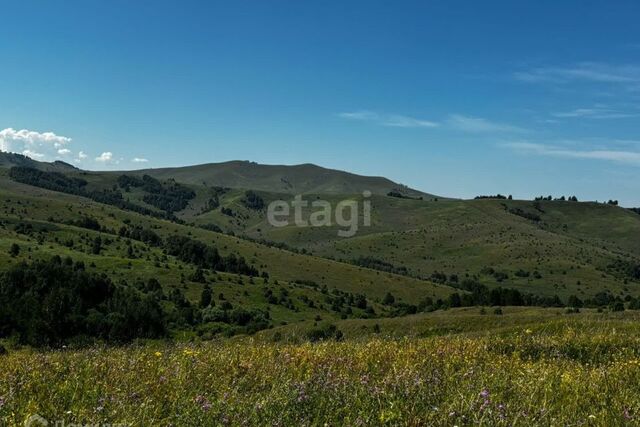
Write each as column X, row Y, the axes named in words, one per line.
column 567, row 372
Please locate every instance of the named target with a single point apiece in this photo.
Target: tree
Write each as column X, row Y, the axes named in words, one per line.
column 97, row 246
column 574, row 302
column 454, row 300
column 205, row 297
column 388, row 299
column 198, row 276
column 14, row 251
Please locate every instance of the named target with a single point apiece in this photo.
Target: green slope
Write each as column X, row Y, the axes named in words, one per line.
column 296, row 179
column 22, row 203
column 545, row 248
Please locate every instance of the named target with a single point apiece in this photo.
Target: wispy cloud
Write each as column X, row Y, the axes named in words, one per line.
column 613, row 155
column 139, row 160
column 455, row 121
column 595, row 113
column 480, row 125
column 391, row 120
column 585, row 72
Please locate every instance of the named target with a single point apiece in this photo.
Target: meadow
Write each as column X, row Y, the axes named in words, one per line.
column 380, row 329
column 564, row 369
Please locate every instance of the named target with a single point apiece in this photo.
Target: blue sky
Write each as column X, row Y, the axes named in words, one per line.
column 454, row 98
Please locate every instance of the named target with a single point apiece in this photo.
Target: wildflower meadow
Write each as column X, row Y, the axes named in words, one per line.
column 572, row 371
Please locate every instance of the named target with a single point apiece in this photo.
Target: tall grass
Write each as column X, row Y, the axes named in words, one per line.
column 578, row 373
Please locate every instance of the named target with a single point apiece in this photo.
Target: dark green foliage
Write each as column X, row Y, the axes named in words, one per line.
column 250, row 320
column 14, row 250
column 324, row 332
column 198, row 276
column 206, row 297
column 500, row 276
column 497, row 196
column 625, row 269
column 388, row 299
column 141, row 234
column 88, row 223
column 169, row 197
column 399, row 195
column 211, row 227
column 479, row 294
column 574, row 302
column 251, row 200
column 205, row 256
column 377, row 264
column 55, row 181
column 59, row 182
column 50, row 303
column 524, row 214
column 97, row 246
column 617, row 306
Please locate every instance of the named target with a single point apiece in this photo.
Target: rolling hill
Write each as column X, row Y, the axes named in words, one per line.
column 204, row 228
column 9, row 160
column 297, row 179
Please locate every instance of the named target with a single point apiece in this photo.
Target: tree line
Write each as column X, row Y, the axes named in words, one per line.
column 60, row 182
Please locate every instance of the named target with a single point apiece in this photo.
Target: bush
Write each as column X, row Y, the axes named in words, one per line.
column 323, row 333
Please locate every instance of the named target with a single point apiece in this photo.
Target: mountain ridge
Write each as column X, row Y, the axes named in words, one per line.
column 304, row 178
column 293, row 179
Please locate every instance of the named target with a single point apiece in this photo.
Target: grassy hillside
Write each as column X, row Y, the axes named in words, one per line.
column 543, row 247
column 297, row 179
column 42, row 224
column 9, row 160
column 416, row 254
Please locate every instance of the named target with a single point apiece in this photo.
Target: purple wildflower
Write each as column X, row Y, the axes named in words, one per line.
column 204, row 403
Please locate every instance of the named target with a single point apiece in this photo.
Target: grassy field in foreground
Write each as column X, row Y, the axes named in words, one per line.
column 566, row 370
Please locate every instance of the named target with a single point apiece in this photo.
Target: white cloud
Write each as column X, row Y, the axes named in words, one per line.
column 407, row 122
column 594, row 113
column 391, row 120
column 105, row 157
column 584, row 71
column 38, row 145
column 620, row 156
column 64, row 151
column 82, row 155
column 360, row 115
column 32, row 137
column 480, row 125
column 139, row 160
column 33, row 154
